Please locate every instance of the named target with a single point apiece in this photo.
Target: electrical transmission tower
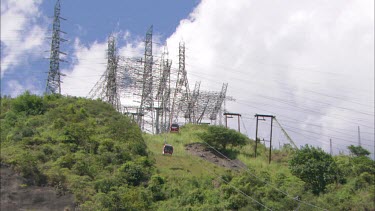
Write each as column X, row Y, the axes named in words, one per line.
column 107, row 87
column 192, row 104
column 219, row 102
column 54, row 75
column 163, row 95
column 147, row 101
column 111, row 95
column 182, row 91
column 155, row 104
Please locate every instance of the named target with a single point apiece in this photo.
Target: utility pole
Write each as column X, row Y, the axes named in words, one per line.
column 359, row 137
column 269, row 157
column 256, row 134
column 330, row 145
column 231, row 116
column 54, row 75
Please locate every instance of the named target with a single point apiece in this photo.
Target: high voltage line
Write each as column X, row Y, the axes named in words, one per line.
column 191, row 105
column 161, row 99
column 263, row 181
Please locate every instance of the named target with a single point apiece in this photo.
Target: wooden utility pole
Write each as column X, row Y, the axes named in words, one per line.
column 330, row 145
column 269, row 157
column 230, row 115
column 256, row 134
column 359, row 137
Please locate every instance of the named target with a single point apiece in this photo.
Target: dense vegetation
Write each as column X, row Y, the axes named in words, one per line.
column 221, row 137
column 76, row 145
column 87, row 148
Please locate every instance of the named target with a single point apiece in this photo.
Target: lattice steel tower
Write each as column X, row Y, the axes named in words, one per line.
column 54, row 74
column 182, row 91
column 107, row 88
column 147, row 79
column 111, row 95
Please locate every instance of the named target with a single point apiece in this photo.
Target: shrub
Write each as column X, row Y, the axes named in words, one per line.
column 30, row 104
column 315, row 167
column 221, row 137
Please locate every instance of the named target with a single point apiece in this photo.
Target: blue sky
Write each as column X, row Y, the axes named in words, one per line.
column 94, row 20
column 309, row 63
column 88, row 21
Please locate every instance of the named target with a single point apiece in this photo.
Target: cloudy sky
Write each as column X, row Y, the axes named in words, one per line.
column 309, row 63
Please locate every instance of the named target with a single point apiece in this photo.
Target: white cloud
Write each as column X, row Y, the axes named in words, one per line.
column 21, row 36
column 89, row 65
column 17, row 88
column 310, row 61
column 91, row 62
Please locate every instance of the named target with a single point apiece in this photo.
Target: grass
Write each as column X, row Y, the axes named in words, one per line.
column 181, row 164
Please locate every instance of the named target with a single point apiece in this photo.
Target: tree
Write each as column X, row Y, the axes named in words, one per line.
column 221, row 137
column 358, row 150
column 315, row 167
column 30, row 104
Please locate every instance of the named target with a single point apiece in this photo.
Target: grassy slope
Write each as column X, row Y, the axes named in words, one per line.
column 76, row 145
column 185, row 167
column 181, row 163
column 195, row 166
column 93, row 151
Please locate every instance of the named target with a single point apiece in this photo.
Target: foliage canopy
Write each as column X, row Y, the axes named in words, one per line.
column 220, row 137
column 358, row 150
column 87, row 148
column 315, row 167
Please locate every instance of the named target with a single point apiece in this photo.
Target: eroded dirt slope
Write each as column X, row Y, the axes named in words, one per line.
column 212, row 156
column 16, row 195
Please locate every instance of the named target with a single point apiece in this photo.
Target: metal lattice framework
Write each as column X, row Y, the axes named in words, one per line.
column 107, row 87
column 54, row 75
column 163, row 95
column 182, row 92
column 147, row 100
column 191, row 111
column 160, row 94
column 219, row 102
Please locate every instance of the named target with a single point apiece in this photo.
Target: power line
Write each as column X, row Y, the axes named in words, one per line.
column 325, row 135
column 239, row 191
column 264, row 181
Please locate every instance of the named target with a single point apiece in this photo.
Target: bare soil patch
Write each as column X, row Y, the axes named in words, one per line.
column 16, row 195
column 212, row 156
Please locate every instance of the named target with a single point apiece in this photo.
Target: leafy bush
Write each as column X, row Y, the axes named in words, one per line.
column 315, row 167
column 30, row 104
column 358, row 150
column 221, row 137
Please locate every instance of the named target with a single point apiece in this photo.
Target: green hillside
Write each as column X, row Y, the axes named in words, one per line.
column 77, row 145
column 86, row 148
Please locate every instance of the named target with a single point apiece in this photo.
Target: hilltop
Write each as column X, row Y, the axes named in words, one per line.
column 76, row 146
column 94, row 158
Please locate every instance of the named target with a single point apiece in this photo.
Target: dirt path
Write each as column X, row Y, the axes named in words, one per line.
column 200, row 150
column 16, row 195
